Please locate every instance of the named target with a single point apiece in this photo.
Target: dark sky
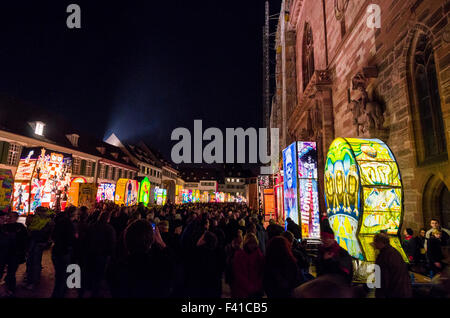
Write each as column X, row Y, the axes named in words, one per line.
column 137, row 68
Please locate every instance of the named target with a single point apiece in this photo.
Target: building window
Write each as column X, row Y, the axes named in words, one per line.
column 89, row 168
column 102, row 171
column 307, row 55
column 76, row 165
column 13, row 154
column 429, row 125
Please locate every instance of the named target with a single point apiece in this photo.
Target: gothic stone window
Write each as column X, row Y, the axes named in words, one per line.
column 308, row 55
column 429, row 126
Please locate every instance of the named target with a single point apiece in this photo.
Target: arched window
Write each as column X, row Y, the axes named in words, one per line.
column 429, row 125
column 307, row 55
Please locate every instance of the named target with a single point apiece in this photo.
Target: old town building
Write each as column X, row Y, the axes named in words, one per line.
column 340, row 74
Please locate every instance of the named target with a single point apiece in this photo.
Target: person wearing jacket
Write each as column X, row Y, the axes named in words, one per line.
column 261, row 233
column 445, row 233
column 101, row 240
column 294, row 228
column 281, row 273
column 40, row 227
column 247, row 269
column 333, row 259
column 15, row 250
column 434, row 251
column 148, row 268
column 409, row 244
column 394, row 275
column 64, row 238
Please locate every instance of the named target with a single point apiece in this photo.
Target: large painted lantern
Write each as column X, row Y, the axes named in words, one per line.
column 363, row 193
column 106, row 191
column 74, row 190
column 6, row 189
column 126, row 192
column 42, row 179
column 144, row 191
column 300, row 190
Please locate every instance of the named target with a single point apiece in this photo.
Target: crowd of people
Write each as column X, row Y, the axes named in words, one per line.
column 425, row 251
column 187, row 250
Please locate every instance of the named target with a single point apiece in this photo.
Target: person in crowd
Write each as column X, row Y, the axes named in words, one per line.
column 434, row 251
column 394, row 275
column 230, row 251
column 300, row 255
column 101, row 240
column 281, row 272
column 333, row 259
column 261, row 233
column 3, row 243
column 247, row 268
column 40, row 227
column 294, row 228
column 16, row 238
column 436, row 225
column 242, row 227
column 205, row 280
column 147, row 271
column 409, row 244
column 63, row 237
column 420, row 255
column 274, row 229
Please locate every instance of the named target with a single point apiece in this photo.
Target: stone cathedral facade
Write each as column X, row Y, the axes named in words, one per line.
column 339, row 74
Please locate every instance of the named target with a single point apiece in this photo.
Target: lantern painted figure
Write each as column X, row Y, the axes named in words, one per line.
column 363, row 193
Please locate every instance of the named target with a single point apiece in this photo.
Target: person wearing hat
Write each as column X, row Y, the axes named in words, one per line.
column 395, row 279
column 333, row 259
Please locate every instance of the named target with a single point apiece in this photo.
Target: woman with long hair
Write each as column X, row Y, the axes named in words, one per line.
column 247, row 269
column 281, row 273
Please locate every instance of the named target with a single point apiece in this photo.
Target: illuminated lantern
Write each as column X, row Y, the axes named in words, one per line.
column 74, row 190
column 363, row 195
column 300, row 190
column 144, row 191
column 6, row 188
column 126, row 192
column 42, row 179
column 106, row 191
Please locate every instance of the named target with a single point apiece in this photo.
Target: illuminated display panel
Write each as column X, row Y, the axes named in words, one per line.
column 21, row 199
column 119, row 197
column 144, row 191
column 87, row 195
column 74, row 190
column 161, row 196
column 25, row 169
column 308, row 189
column 131, row 192
column 6, row 188
column 44, row 180
column 290, row 182
column 363, row 171
column 106, row 191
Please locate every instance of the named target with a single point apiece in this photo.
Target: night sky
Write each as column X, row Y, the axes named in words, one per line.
column 137, row 68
